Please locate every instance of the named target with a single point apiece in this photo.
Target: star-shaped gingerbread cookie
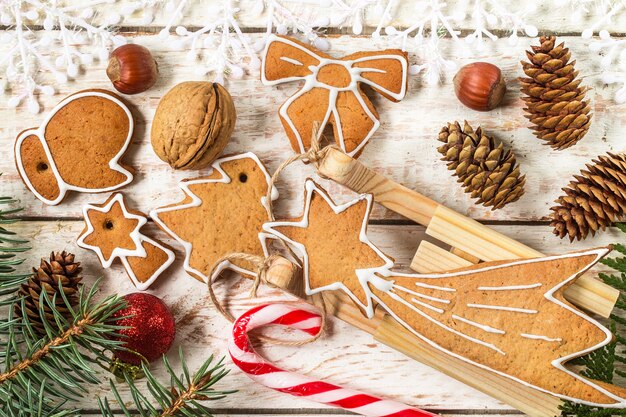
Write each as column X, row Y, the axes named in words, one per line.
column 112, row 231
column 332, row 241
column 221, row 213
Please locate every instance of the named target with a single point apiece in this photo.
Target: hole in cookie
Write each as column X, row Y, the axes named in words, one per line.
column 42, row 166
column 108, row 224
column 243, row 177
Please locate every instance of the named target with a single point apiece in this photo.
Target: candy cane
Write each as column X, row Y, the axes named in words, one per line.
column 259, row 370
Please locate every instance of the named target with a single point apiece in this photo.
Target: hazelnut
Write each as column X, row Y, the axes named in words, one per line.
column 132, row 69
column 480, row 86
column 192, row 124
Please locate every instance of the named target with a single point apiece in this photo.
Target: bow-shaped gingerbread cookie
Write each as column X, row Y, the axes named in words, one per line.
column 332, row 90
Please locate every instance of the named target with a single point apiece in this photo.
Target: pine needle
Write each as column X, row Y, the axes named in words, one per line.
column 604, row 364
column 182, row 398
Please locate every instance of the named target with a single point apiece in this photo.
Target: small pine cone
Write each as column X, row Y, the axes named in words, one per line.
column 594, row 200
column 59, row 271
column 554, row 98
column 487, row 171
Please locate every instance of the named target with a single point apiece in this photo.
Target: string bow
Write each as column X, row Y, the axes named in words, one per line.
column 331, row 93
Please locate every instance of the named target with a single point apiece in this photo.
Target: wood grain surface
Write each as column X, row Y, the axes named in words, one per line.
column 404, row 149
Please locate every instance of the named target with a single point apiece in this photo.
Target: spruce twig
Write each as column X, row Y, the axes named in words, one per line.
column 183, row 396
column 603, row 364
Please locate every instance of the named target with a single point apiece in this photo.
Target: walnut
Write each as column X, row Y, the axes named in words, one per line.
column 193, row 124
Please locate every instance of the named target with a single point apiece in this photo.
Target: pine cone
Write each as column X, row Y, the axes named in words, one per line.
column 486, row 170
column 594, row 200
column 554, row 99
column 59, row 271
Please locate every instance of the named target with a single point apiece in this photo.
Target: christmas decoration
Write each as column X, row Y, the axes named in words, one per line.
column 193, row 124
column 94, row 123
column 594, row 200
column 113, row 232
column 149, row 330
column 54, row 368
column 59, row 277
column 484, row 316
column 480, row 86
column 486, row 170
column 555, row 101
column 132, row 69
column 332, row 90
column 261, row 371
column 435, row 18
column 69, row 35
column 228, row 202
column 181, row 399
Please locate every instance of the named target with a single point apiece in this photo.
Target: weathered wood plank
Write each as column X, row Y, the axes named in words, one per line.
column 404, row 148
column 346, row 356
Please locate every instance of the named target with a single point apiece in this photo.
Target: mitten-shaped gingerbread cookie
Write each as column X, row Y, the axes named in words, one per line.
column 332, row 93
column 113, row 232
column 78, row 147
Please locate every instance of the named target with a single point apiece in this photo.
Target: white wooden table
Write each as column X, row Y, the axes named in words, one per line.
column 404, row 148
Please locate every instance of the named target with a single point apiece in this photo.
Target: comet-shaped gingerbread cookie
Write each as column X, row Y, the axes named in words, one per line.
column 78, row 147
column 113, row 232
column 220, row 214
column 332, row 93
column 507, row 317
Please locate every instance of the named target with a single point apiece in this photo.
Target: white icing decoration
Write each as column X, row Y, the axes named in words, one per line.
column 510, row 287
column 196, row 202
column 428, row 306
column 385, row 286
column 64, row 187
column 310, row 82
column 540, row 337
column 291, row 60
column 427, row 297
column 503, row 308
column 122, row 253
column 484, row 327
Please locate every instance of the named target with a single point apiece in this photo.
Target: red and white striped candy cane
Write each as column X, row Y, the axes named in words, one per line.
column 260, row 370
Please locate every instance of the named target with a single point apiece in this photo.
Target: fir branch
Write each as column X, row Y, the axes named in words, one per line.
column 56, row 367
column 183, row 396
column 602, row 364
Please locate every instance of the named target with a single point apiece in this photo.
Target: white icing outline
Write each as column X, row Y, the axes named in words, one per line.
column 310, row 82
column 369, row 276
column 196, row 202
column 122, row 253
column 64, row 187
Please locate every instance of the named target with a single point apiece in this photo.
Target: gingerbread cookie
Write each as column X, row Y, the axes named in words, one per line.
column 332, row 91
column 113, row 232
column 220, row 214
column 77, row 148
column 507, row 317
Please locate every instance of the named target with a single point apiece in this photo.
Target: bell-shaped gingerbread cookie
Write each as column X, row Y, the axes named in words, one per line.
column 77, row 148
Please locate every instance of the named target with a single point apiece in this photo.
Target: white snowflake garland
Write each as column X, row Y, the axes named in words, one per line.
column 53, row 49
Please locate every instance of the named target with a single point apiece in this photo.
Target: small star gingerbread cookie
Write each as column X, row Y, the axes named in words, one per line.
column 112, row 231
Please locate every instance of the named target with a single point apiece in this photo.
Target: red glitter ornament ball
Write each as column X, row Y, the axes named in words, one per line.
column 151, row 328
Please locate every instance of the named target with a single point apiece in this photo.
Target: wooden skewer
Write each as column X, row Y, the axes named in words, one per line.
column 453, row 228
